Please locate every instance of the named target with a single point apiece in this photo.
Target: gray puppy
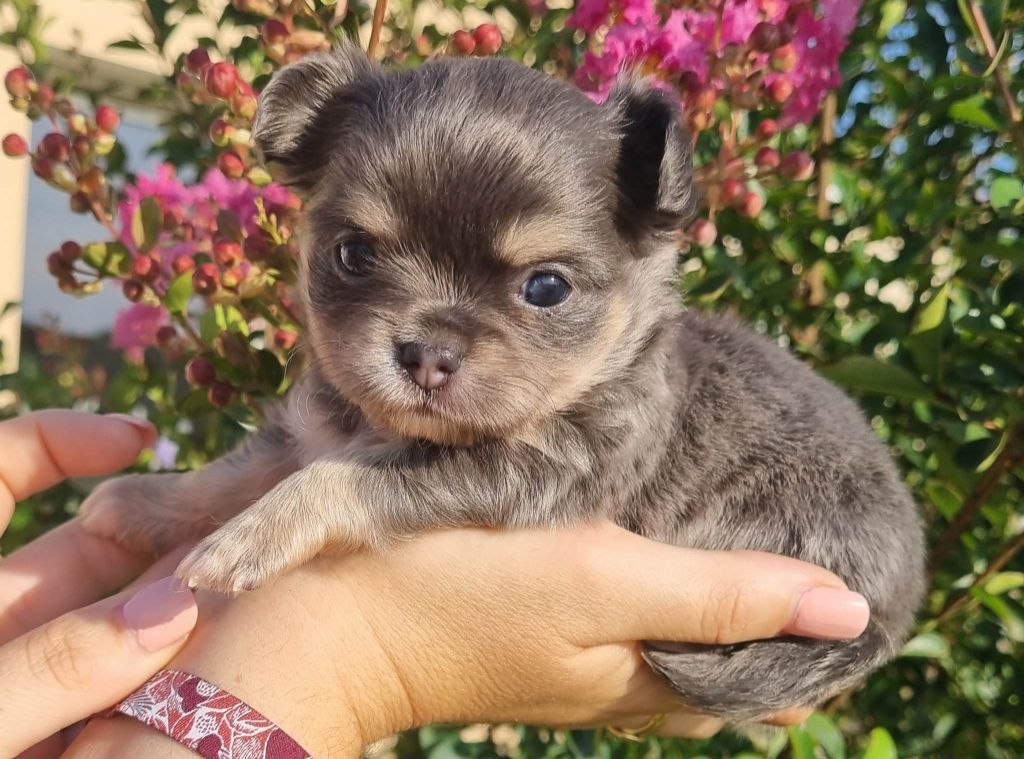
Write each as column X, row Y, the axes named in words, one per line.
column 496, row 337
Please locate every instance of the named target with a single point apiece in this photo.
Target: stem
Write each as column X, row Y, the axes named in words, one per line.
column 1016, row 125
column 379, row 9
column 828, row 136
column 1001, row 560
column 1008, row 459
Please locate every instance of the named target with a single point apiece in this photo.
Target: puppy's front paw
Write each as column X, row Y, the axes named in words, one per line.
column 234, row 559
column 138, row 511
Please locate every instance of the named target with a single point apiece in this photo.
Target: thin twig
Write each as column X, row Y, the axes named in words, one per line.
column 1016, row 125
column 379, row 9
column 1008, row 459
column 1000, row 560
column 828, row 136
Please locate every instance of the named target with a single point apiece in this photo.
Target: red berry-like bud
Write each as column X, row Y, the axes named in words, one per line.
column 767, row 158
column 798, row 165
column 786, row 32
column 488, row 39
column 765, row 37
column 55, row 147
column 79, row 202
column 15, row 146
column 133, row 290
column 703, row 232
column 751, row 205
column 231, row 278
column 20, row 83
column 183, row 264
column 200, row 372
column 733, row 191
column 42, row 167
column 220, row 133
column 197, row 60
column 227, row 253
column 780, row 90
column 107, row 118
column 705, row 100
column 81, row 146
column 44, row 97
column 690, row 82
column 462, row 43
column 221, row 394
column 285, row 339
column 767, row 129
column 231, row 164
column 145, row 269
column 221, row 79
column 275, row 32
column 166, row 334
column 784, row 59
column 57, row 266
column 70, row 251
column 206, row 279
column 244, row 104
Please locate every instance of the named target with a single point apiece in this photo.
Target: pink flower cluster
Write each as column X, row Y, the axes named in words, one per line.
column 786, row 49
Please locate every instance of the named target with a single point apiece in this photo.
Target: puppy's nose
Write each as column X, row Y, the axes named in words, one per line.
column 430, row 366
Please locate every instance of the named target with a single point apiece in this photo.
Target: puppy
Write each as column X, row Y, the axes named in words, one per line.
column 497, row 339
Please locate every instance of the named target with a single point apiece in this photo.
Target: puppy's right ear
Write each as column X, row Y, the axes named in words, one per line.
column 286, row 131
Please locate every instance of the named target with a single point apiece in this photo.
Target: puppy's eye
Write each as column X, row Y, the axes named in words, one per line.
column 355, row 257
column 545, row 290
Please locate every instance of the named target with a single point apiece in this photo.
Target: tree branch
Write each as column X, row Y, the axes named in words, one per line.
column 1016, row 126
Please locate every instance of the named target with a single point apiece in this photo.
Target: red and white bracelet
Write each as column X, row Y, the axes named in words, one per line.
column 207, row 719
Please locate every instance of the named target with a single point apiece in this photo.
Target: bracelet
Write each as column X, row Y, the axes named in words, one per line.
column 207, row 719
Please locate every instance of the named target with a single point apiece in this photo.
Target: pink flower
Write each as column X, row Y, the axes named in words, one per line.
column 135, row 329
column 589, row 15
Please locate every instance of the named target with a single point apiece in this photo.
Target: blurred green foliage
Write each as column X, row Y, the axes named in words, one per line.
column 901, row 277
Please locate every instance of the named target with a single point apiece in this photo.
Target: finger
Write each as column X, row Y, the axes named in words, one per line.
column 644, row 590
column 63, row 570
column 45, row 447
column 88, row 659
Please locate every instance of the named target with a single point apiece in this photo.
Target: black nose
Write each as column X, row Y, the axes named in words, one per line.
column 430, row 366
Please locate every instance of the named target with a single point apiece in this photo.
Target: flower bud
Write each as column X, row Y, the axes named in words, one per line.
column 57, row 266
column 767, row 158
column 221, row 394
column 145, row 269
column 92, row 182
column 165, row 335
column 43, row 167
column 751, row 205
column 70, row 251
column 79, row 203
column 104, row 143
column 231, row 164
column 221, row 79
column 64, row 177
column 133, row 290
column 183, row 264
column 275, row 32
column 55, row 147
column 703, row 232
column 107, row 118
column 733, row 191
column 20, row 83
column 462, row 43
column 231, row 278
column 15, row 146
column 784, row 59
column 220, row 133
column 285, row 339
column 200, row 372
column 206, row 279
column 767, row 129
column 798, row 165
column 227, row 253
column 197, row 60
column 488, row 39
column 44, row 97
column 765, row 37
column 780, row 91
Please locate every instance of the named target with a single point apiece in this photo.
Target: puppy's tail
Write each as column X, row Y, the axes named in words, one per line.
column 752, row 681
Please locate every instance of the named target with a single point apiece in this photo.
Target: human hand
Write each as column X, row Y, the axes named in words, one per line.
column 65, row 659
column 539, row 627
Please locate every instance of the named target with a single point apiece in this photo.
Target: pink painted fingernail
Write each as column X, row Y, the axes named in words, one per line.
column 830, row 613
column 161, row 613
column 148, row 431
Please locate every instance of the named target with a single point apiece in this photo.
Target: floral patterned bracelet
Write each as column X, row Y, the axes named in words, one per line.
column 206, row 719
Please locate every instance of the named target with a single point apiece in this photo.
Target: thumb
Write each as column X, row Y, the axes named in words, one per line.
column 84, row 661
column 654, row 591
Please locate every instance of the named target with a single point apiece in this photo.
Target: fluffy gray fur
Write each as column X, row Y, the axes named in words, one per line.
column 467, row 176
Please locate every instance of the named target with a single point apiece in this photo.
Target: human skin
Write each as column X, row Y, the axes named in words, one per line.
column 539, row 627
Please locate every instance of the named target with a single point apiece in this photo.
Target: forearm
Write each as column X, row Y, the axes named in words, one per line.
column 277, row 665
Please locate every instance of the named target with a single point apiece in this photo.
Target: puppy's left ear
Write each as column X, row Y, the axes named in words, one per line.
column 654, row 172
column 291, row 131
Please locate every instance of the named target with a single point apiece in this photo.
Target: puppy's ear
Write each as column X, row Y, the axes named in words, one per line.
column 655, row 164
column 287, row 132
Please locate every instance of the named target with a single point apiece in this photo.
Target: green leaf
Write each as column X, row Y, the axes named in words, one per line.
column 147, row 222
column 881, row 745
column 219, row 319
column 870, row 375
column 933, row 312
column 929, row 645
column 944, row 498
column 827, row 735
column 893, row 11
column 972, row 455
column 1004, row 582
column 801, row 743
column 109, row 258
column 972, row 111
column 179, row 293
column 1005, row 192
column 1011, row 621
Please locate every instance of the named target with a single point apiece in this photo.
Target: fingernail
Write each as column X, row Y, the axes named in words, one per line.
column 161, row 613
column 149, row 433
column 830, row 613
